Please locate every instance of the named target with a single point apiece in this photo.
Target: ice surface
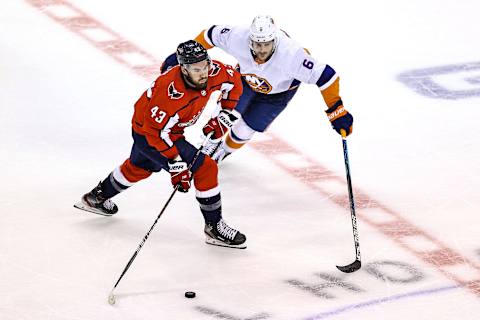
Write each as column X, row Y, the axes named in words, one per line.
column 409, row 75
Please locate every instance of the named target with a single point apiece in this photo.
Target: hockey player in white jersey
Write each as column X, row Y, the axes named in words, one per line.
column 272, row 67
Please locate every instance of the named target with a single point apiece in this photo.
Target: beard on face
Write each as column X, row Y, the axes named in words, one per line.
column 202, row 83
column 195, row 84
column 263, row 55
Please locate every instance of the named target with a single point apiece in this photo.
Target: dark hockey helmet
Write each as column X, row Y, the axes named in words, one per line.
column 191, row 52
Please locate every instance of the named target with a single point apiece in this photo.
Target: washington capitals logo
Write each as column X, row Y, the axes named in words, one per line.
column 174, row 93
column 257, row 83
column 214, row 69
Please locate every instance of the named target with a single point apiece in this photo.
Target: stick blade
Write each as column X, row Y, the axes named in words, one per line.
column 354, row 266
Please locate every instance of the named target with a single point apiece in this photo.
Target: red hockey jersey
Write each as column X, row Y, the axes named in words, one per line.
column 169, row 105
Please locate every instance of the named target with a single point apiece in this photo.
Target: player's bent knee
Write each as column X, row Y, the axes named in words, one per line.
column 206, row 177
column 242, row 131
column 131, row 173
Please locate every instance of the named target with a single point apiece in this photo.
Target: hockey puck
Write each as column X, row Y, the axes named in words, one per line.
column 111, row 299
column 190, row 294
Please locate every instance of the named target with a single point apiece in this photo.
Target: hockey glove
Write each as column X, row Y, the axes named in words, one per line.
column 219, row 125
column 340, row 118
column 180, row 174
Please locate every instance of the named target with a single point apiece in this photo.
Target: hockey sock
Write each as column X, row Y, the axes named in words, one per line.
column 233, row 143
column 111, row 187
column 211, row 208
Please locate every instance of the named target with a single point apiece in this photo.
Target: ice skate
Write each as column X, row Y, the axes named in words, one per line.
column 95, row 202
column 223, row 235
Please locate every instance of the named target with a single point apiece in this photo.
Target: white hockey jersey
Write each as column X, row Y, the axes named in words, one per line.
column 289, row 64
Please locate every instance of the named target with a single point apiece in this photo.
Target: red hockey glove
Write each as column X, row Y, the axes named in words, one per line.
column 220, row 124
column 180, row 174
column 341, row 119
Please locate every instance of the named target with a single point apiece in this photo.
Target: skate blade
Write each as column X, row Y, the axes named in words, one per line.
column 215, row 242
column 82, row 206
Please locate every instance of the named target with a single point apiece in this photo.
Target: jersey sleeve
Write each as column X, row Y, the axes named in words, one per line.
column 215, row 36
column 307, row 69
column 231, row 89
column 304, row 67
column 329, row 85
column 158, row 122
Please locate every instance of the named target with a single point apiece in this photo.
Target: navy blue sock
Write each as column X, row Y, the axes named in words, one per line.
column 211, row 209
column 111, row 187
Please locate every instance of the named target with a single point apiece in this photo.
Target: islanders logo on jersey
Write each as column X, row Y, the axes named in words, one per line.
column 257, row 83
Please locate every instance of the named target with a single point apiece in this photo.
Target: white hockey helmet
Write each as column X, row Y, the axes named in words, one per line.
column 263, row 29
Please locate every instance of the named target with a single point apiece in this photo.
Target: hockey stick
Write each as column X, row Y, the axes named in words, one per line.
column 357, row 264
column 111, row 296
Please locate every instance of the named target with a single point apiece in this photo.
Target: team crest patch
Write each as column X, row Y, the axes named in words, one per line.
column 257, row 83
column 214, row 69
column 174, row 93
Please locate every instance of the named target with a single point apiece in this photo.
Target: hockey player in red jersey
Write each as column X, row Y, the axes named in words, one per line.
column 175, row 101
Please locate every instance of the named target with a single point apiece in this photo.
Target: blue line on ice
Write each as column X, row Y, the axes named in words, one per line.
column 361, row 305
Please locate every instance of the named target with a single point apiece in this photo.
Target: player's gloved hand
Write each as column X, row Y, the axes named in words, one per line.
column 219, row 125
column 340, row 118
column 211, row 146
column 180, row 174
